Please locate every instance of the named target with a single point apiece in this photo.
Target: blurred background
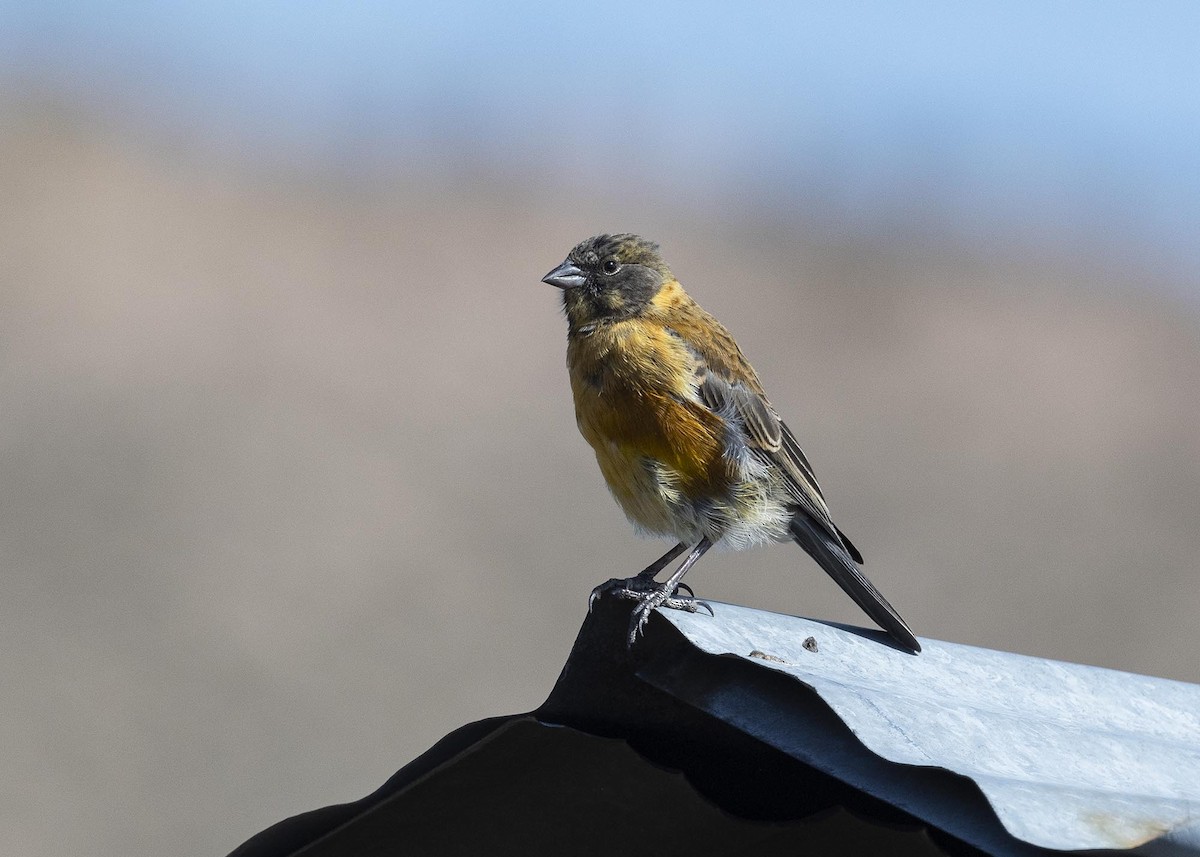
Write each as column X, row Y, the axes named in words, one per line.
column 291, row 485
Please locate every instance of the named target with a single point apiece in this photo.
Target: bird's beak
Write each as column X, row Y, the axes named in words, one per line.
column 565, row 276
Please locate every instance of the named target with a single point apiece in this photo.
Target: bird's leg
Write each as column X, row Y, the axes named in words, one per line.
column 662, row 562
column 665, row 594
column 636, row 587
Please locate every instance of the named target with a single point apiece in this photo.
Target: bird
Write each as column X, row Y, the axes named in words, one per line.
column 688, row 442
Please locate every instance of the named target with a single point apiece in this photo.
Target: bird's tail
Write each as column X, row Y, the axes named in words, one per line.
column 839, row 565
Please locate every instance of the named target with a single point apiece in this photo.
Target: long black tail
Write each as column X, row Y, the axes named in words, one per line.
column 839, row 565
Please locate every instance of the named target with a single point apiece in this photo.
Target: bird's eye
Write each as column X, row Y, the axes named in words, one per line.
column 611, row 266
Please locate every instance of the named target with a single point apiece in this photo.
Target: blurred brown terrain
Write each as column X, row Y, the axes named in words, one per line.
column 291, row 484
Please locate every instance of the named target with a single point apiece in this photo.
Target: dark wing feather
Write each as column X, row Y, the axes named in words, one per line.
column 796, row 454
column 726, row 379
column 837, row 563
column 727, row 384
column 849, row 545
column 771, row 440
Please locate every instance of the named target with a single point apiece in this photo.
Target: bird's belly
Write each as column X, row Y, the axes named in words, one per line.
column 747, row 512
column 650, row 494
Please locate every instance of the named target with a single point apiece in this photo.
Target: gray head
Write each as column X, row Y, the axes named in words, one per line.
column 609, row 277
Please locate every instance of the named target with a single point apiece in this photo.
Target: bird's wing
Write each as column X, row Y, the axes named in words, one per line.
column 812, row 528
column 770, row 439
column 726, row 381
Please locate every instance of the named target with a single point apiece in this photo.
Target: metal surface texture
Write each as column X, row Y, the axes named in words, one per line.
column 1070, row 757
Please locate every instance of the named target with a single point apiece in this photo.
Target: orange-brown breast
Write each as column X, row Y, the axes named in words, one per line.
column 631, row 382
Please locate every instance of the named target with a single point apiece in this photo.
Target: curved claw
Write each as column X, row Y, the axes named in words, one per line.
column 688, row 602
column 634, row 588
column 600, row 591
column 658, row 598
column 641, row 614
column 637, row 622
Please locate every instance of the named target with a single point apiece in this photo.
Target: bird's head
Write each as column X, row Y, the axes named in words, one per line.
column 609, row 278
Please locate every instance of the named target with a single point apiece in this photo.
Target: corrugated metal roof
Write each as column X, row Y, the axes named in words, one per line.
column 1070, row 757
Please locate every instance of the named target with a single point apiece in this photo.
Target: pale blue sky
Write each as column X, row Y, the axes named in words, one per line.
column 1080, row 114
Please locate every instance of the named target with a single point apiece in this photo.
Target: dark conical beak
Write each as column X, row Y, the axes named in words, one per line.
column 565, row 276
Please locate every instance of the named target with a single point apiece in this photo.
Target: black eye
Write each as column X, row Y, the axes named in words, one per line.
column 611, row 266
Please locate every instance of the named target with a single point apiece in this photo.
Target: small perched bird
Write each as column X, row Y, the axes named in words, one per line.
column 684, row 434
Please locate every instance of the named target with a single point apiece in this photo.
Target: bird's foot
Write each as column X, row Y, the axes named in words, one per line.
column 689, row 602
column 649, row 595
column 653, row 600
column 641, row 588
column 633, row 588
